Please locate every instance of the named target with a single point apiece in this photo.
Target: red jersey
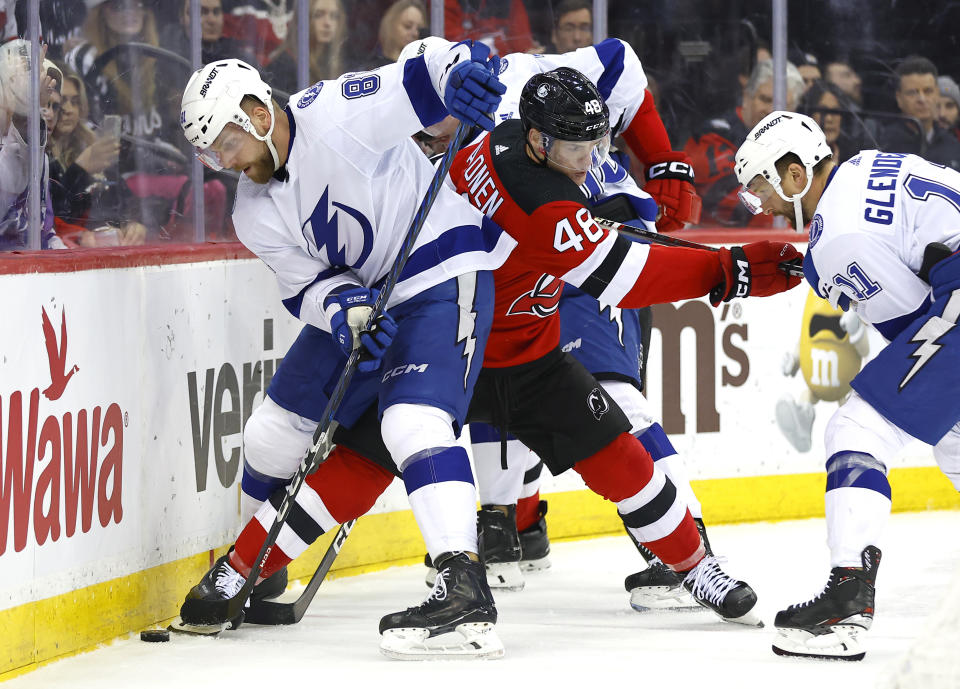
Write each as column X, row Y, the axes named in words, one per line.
column 557, row 236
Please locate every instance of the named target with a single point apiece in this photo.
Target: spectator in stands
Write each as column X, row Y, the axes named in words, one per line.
column 61, row 24
column 808, row 66
column 79, row 158
column 128, row 84
column 403, row 22
column 328, row 35
column 15, row 199
column 151, row 186
column 213, row 44
column 51, row 111
column 501, row 24
column 822, row 101
column 948, row 109
column 572, row 26
column 918, row 97
column 714, row 144
column 261, row 24
column 840, row 72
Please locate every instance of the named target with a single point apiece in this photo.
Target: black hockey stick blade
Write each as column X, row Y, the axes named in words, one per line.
column 788, row 267
column 273, row 612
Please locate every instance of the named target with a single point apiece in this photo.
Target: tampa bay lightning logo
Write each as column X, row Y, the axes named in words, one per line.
column 310, row 95
column 334, row 237
column 816, row 229
column 504, row 63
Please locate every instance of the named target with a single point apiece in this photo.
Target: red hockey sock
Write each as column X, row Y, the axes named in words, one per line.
column 528, row 511
column 346, row 483
column 619, row 472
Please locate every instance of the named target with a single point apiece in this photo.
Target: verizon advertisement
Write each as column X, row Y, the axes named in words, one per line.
column 124, row 393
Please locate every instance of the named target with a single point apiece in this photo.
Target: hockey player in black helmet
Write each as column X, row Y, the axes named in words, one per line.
column 526, row 176
column 570, row 120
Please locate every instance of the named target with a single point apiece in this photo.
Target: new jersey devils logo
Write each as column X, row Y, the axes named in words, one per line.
column 542, row 301
column 597, row 403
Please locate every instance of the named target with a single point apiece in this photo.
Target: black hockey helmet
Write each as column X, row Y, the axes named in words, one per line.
column 564, row 104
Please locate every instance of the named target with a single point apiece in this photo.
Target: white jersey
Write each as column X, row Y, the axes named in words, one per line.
column 354, row 182
column 874, row 220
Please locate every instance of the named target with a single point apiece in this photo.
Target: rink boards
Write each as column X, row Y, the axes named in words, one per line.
column 125, row 381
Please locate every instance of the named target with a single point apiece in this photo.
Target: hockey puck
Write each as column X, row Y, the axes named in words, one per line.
column 155, row 635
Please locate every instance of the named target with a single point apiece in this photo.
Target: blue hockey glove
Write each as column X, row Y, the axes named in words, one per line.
column 471, row 90
column 349, row 321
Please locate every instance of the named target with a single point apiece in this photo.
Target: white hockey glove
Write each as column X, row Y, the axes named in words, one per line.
column 851, row 322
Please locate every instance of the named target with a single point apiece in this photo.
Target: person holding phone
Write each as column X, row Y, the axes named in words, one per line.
column 80, row 157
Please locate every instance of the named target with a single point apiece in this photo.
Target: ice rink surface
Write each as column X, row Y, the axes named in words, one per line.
column 571, row 625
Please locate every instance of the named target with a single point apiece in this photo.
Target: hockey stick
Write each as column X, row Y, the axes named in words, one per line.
column 232, row 608
column 272, row 612
column 666, row 240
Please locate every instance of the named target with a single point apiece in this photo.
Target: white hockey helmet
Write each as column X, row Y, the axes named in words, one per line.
column 773, row 137
column 211, row 101
column 15, row 77
column 420, row 46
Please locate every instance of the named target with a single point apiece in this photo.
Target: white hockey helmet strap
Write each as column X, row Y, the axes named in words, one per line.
column 776, row 135
column 211, row 101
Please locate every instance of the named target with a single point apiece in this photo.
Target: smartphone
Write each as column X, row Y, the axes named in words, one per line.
column 112, row 125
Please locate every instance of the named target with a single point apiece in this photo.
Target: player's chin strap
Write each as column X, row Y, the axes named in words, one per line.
column 797, row 210
column 268, row 137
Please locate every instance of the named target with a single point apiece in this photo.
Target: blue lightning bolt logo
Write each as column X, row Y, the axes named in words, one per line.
column 927, row 338
column 329, row 237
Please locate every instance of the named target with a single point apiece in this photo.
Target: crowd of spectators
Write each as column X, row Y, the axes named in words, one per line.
column 117, row 172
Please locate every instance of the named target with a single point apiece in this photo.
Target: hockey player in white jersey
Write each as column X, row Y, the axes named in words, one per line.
column 609, row 338
column 884, row 233
column 329, row 188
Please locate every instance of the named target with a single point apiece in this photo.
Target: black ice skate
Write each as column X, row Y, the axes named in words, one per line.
column 828, row 626
column 456, row 620
column 499, row 549
column 500, row 546
column 205, row 609
column 657, row 587
column 534, row 544
column 712, row 588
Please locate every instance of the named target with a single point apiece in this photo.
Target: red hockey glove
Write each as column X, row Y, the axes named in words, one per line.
column 670, row 183
column 752, row 270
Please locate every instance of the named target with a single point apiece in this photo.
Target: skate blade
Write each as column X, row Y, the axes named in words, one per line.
column 662, row 598
column 505, row 576
column 468, row 641
column 840, row 643
column 748, row 619
column 178, row 626
column 535, row 565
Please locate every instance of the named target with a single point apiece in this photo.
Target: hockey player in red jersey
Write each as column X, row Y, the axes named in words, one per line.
column 525, row 175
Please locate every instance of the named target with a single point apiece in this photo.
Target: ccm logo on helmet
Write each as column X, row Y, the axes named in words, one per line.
column 592, row 107
column 772, row 123
column 206, row 84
